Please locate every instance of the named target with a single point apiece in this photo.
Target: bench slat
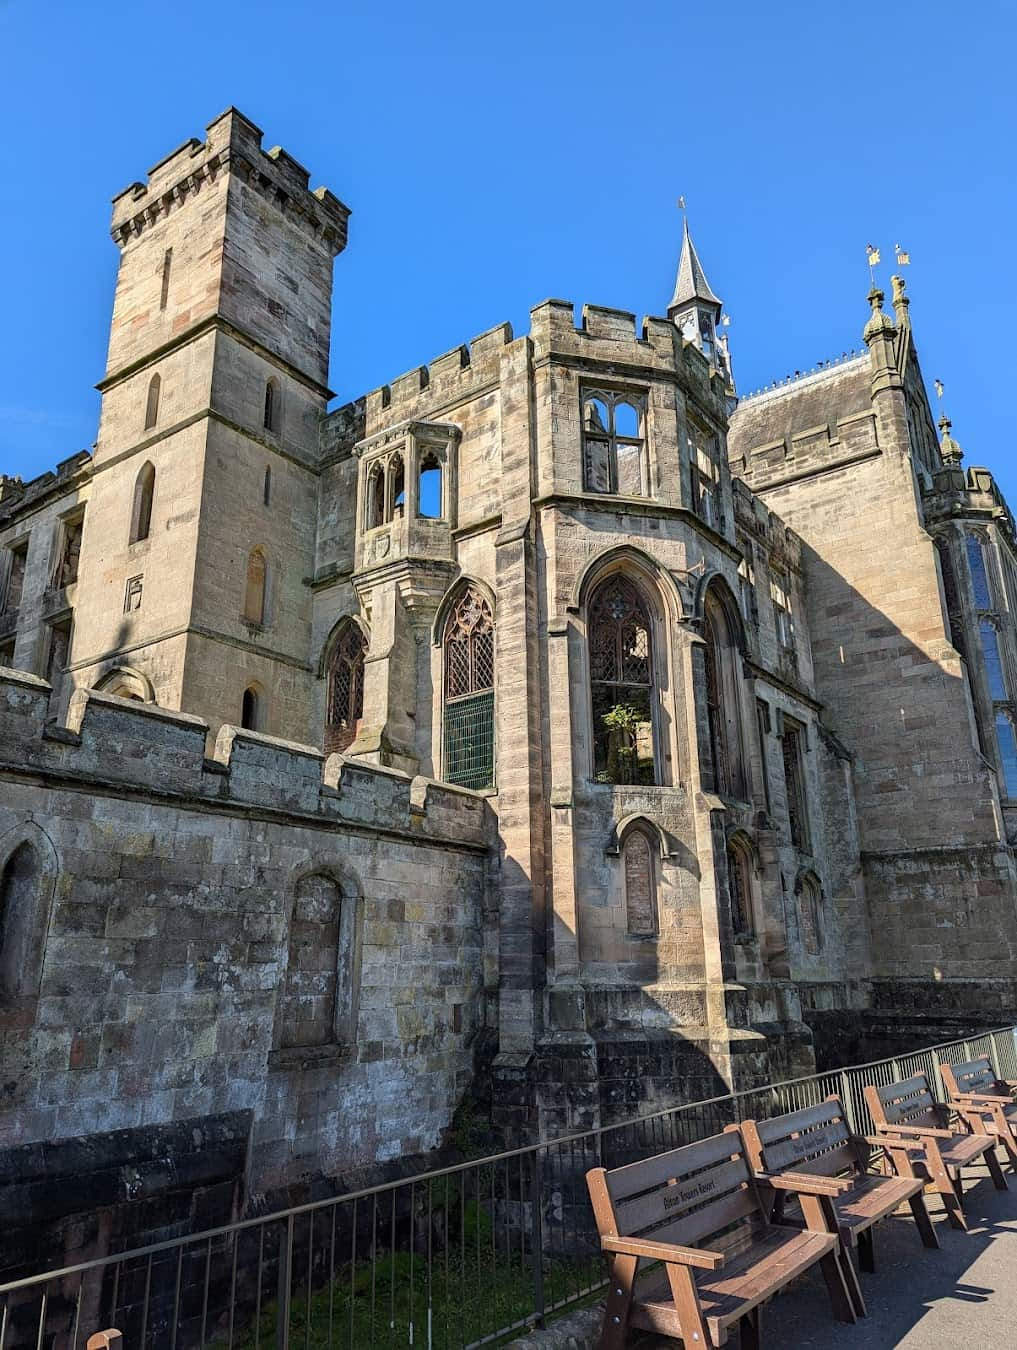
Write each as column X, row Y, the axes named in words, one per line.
column 636, row 1177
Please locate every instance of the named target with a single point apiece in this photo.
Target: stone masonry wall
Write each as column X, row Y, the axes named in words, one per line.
column 162, row 914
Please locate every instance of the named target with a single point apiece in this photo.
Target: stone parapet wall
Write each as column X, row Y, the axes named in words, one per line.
column 163, row 909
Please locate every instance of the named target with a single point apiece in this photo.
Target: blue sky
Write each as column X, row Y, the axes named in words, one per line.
column 494, row 156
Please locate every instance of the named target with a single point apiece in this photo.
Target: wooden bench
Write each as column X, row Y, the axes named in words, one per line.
column 984, row 1102
column 916, row 1132
column 818, row 1141
column 656, row 1210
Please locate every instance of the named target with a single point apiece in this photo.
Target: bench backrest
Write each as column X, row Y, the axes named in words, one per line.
column 682, row 1196
column 907, row 1103
column 816, row 1139
column 978, row 1076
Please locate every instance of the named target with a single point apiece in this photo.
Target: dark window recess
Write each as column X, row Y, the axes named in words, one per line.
column 791, row 745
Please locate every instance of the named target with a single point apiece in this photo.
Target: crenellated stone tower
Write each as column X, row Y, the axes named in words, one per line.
column 204, row 499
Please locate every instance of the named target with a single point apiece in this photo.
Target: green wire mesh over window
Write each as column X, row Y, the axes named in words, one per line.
column 469, row 741
column 469, row 692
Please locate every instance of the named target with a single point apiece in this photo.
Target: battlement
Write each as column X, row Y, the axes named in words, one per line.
column 16, row 496
column 139, row 748
column 233, row 145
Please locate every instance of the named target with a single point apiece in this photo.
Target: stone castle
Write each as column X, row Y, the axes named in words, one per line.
column 548, row 718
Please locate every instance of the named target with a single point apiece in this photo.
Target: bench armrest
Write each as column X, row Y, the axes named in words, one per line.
column 914, row 1131
column 977, row 1098
column 663, row 1251
column 809, row 1182
column 876, row 1140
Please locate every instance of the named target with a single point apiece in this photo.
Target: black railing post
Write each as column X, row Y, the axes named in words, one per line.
column 537, row 1238
column 282, row 1312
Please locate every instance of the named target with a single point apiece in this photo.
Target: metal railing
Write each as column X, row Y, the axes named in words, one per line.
column 457, row 1258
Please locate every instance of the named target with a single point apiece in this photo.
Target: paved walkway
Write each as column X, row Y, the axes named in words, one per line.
column 964, row 1294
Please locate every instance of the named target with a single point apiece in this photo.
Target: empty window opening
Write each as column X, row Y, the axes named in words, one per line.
column 794, row 781
column 469, row 692
column 70, row 552
column 376, row 497
column 167, row 263
column 59, row 651
column 621, row 684
column 132, row 594
column 144, row 495
column 613, row 444
column 705, row 475
column 152, row 402
column 17, row 563
column 266, row 493
column 740, row 870
column 429, row 495
column 254, row 590
column 640, row 885
column 250, row 710
column 396, row 478
column 345, row 692
column 271, row 406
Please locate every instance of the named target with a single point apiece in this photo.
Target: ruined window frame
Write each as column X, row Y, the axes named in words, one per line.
column 811, row 918
column 725, row 769
column 610, row 439
column 703, row 451
column 794, row 744
column 69, row 527
column 16, row 549
column 26, row 924
column 742, row 874
column 344, row 708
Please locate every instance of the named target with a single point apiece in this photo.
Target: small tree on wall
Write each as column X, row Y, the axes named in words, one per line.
column 622, row 723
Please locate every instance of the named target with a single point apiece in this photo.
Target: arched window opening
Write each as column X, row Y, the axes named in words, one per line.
column 429, row 496
column 318, row 996
column 344, row 697
column 613, row 443
column 740, row 869
column 144, row 495
column 809, row 905
column 152, row 402
column 979, row 573
column 376, row 497
column 640, row 885
column 254, row 592
column 250, row 710
column 1005, row 735
column 723, row 771
column 266, row 492
column 621, row 680
column 271, row 406
column 468, row 649
column 396, row 487
column 20, row 898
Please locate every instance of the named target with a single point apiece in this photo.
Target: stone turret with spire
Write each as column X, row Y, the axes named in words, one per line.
column 696, row 311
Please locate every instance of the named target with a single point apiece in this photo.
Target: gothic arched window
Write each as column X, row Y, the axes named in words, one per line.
column 152, row 402
column 722, row 768
column 254, row 589
column 271, row 406
column 621, row 684
column 376, row 496
column 396, row 484
column 429, row 488
column 640, row 885
column 468, row 650
column 144, row 495
column 344, row 696
column 739, row 877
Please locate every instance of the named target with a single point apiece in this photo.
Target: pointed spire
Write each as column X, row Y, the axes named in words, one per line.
column 691, row 283
column 948, row 447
